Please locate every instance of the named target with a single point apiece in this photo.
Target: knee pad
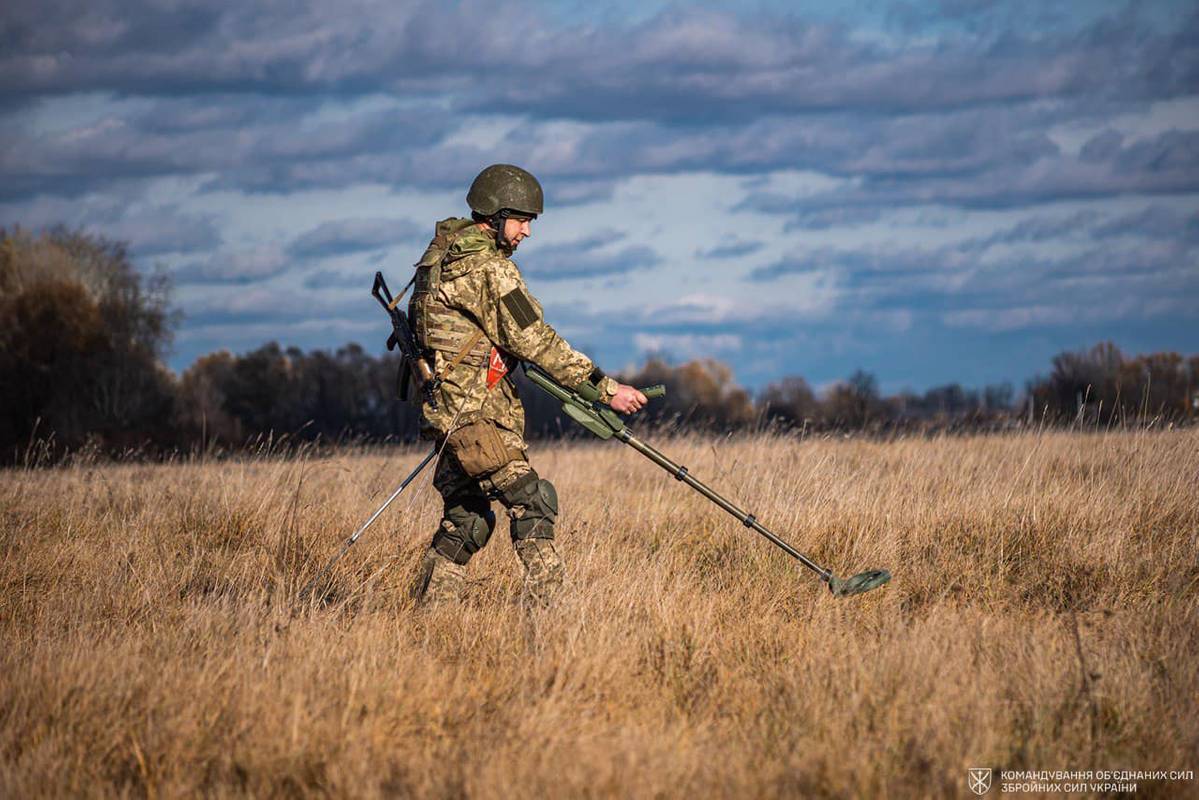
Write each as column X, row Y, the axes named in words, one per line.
column 533, row 506
column 466, row 525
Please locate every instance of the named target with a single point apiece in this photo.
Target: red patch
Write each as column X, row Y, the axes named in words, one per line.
column 497, row 368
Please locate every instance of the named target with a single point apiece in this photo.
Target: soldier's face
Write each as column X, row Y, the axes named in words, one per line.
column 515, row 230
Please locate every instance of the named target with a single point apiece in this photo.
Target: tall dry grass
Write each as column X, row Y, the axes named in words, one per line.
column 1042, row 616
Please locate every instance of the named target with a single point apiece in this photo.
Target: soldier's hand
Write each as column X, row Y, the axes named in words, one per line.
column 627, row 399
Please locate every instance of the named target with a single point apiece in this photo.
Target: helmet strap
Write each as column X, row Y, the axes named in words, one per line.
column 496, row 221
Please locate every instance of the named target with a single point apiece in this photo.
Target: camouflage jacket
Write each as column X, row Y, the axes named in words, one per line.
column 464, row 285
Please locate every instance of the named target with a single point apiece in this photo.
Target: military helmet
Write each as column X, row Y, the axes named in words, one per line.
column 505, row 187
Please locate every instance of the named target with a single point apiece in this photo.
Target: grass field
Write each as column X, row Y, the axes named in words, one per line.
column 1043, row 616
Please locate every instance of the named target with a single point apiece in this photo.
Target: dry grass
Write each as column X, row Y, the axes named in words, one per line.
column 149, row 649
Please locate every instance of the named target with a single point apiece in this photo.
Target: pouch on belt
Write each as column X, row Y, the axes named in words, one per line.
column 479, row 449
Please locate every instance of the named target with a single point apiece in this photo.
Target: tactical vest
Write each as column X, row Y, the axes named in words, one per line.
column 444, row 333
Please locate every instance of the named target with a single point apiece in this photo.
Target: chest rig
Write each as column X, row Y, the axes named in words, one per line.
column 448, row 335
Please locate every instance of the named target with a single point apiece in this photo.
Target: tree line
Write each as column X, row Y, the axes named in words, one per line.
column 83, row 337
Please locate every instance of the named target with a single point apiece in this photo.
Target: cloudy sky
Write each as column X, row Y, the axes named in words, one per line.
column 932, row 191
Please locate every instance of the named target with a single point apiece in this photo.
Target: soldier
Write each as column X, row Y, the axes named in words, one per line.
column 474, row 318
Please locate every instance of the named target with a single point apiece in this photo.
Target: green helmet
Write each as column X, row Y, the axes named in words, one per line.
column 503, row 187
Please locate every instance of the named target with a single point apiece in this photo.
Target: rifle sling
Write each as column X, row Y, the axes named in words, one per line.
column 392, row 305
column 461, row 354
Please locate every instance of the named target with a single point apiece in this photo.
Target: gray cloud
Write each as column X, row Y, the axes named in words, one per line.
column 1155, row 222
column 701, row 65
column 409, row 147
column 302, row 145
column 734, row 249
column 1165, row 224
column 149, row 230
column 586, row 258
column 825, row 218
column 882, row 148
column 592, row 241
column 335, row 279
column 166, row 230
column 863, row 265
column 984, row 17
column 1114, row 282
column 1167, row 163
column 240, row 267
column 567, row 191
column 980, row 111
column 1041, row 228
column 258, row 303
column 348, row 236
column 708, row 65
column 299, row 97
column 1165, row 265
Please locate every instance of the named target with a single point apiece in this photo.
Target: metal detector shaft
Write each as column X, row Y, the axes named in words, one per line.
column 350, row 542
column 748, row 520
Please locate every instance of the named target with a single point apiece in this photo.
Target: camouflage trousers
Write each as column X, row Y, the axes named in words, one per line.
column 468, row 483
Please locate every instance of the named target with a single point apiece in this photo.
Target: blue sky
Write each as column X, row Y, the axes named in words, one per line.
column 932, row 191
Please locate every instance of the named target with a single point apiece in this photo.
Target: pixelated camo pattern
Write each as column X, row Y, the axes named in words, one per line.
column 442, row 581
column 462, row 280
column 544, row 570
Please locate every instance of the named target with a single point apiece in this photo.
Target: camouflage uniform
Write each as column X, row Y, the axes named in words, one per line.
column 466, row 288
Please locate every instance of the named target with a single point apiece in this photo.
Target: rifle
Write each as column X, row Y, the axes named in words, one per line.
column 581, row 405
column 412, row 364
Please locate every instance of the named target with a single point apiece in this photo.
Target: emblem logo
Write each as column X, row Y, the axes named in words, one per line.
column 980, row 779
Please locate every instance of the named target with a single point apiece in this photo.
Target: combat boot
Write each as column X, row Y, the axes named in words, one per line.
column 441, row 580
column 544, row 570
